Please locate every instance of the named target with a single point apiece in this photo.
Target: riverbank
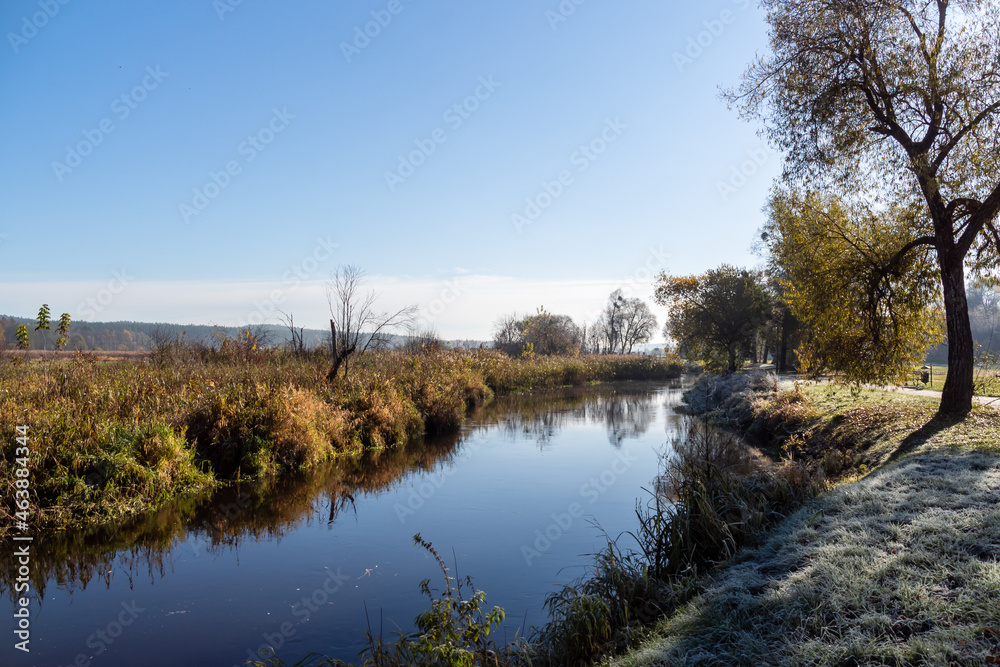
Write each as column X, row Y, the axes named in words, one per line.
column 899, row 563
column 110, row 440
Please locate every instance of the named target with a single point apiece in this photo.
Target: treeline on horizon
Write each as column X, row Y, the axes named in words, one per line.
column 623, row 326
column 128, row 336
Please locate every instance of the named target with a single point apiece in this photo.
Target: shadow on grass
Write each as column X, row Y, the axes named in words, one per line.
column 915, row 440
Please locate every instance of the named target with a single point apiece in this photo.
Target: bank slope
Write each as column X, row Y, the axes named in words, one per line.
column 898, row 568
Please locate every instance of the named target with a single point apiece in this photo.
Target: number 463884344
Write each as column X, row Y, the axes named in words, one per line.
column 22, row 451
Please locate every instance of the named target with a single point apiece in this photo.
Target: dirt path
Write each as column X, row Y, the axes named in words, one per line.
column 786, row 382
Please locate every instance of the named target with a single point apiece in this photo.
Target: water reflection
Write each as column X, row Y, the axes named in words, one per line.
column 626, row 412
column 233, row 515
column 247, row 513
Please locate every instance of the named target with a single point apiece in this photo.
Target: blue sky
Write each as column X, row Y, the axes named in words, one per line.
column 204, row 162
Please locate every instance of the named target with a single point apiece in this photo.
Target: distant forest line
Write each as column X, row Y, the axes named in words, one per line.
column 139, row 336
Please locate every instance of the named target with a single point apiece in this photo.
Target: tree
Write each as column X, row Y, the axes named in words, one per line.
column 63, row 331
column 550, row 334
column 44, row 321
column 713, row 315
column 163, row 339
column 624, row 323
column 609, row 324
column 507, row 334
column 541, row 333
column 784, row 324
column 422, row 339
column 23, row 337
column 638, row 324
column 872, row 325
column 355, row 326
column 297, row 343
column 899, row 101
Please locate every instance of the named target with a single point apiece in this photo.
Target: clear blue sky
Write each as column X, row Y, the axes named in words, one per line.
column 184, row 85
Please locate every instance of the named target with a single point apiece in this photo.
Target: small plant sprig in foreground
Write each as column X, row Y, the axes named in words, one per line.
column 454, row 632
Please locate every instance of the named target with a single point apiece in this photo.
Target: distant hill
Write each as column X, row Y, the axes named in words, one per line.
column 140, row 336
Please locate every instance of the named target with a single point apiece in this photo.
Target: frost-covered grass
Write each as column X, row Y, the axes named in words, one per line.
column 900, row 567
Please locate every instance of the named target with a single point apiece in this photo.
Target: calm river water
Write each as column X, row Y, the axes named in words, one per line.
column 514, row 499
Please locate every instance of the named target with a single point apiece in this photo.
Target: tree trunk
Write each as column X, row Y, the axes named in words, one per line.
column 786, row 324
column 732, row 357
column 335, row 353
column 956, row 400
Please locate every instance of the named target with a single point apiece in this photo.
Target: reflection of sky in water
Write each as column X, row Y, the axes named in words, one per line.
column 305, row 556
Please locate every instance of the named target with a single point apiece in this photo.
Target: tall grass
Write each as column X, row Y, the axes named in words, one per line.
column 113, row 439
column 713, row 497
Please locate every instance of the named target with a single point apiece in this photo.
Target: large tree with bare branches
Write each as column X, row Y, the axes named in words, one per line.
column 356, row 326
column 895, row 102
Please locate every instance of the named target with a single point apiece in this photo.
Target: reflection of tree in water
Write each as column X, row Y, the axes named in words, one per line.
column 625, row 416
column 269, row 510
column 625, row 412
column 232, row 515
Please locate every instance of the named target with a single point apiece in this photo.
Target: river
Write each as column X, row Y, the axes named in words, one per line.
column 518, row 500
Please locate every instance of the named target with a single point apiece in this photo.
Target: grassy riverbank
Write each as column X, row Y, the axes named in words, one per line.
column 898, row 564
column 110, row 440
column 854, row 529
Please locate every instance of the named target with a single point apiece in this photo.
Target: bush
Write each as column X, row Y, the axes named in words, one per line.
column 254, row 429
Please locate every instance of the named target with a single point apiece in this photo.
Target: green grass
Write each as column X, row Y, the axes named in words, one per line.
column 987, row 380
column 899, row 565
